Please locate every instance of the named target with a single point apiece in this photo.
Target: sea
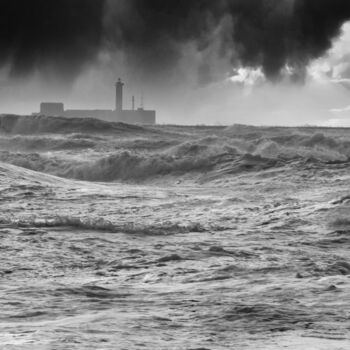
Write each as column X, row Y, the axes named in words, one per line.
column 116, row 236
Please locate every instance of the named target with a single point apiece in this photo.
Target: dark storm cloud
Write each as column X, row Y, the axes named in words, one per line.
column 151, row 32
column 65, row 35
column 265, row 33
column 276, row 33
column 56, row 36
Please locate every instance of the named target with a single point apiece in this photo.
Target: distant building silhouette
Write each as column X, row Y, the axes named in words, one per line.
column 52, row 108
column 132, row 116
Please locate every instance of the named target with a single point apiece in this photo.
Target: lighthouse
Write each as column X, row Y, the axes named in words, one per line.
column 119, row 97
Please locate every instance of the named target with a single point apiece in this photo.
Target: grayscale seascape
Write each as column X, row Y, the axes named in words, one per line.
column 174, row 174
column 165, row 237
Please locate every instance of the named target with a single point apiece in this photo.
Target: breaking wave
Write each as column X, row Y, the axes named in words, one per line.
column 195, row 158
column 94, row 150
column 119, row 166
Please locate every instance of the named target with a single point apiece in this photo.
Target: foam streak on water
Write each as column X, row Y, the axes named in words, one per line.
column 119, row 237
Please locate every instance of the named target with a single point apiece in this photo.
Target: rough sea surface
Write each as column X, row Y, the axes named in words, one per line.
column 126, row 237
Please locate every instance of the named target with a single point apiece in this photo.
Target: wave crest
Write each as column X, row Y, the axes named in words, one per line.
column 29, row 125
column 101, row 224
column 133, row 153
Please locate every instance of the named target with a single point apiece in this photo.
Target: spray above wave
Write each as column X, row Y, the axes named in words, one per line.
column 154, row 34
column 28, row 125
column 40, row 144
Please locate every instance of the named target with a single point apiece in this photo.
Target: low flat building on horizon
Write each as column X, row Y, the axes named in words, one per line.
column 131, row 116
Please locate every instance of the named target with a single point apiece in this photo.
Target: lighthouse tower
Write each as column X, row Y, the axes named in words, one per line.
column 119, row 97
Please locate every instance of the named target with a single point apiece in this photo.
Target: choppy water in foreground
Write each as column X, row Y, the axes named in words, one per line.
column 122, row 237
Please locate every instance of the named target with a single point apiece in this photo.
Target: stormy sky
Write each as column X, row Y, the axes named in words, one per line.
column 179, row 51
